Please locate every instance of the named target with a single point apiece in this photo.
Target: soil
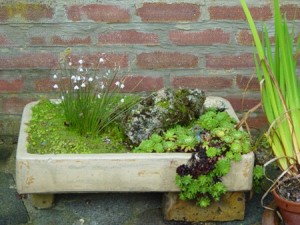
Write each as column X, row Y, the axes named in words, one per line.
column 290, row 189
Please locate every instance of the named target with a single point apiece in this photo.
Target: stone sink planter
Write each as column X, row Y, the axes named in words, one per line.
column 124, row 172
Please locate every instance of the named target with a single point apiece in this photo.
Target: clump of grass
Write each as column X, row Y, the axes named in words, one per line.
column 91, row 99
column 52, row 136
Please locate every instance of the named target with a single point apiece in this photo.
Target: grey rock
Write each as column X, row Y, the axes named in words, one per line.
column 162, row 110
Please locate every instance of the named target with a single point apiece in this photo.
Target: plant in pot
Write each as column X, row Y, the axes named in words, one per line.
column 276, row 68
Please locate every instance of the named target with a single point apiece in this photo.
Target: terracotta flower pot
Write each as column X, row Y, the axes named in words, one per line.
column 289, row 210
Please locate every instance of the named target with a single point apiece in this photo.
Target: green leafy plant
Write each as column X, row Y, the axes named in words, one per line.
column 280, row 90
column 214, row 142
column 220, row 143
column 258, row 175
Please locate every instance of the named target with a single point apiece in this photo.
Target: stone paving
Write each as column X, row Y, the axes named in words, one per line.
column 98, row 209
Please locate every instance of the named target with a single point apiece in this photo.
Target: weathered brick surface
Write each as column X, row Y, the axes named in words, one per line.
column 70, row 41
column 240, row 103
column 207, row 37
column 4, row 40
column 28, row 60
column 244, row 37
column 14, row 105
column 128, row 37
column 229, row 61
column 43, row 84
column 192, row 44
column 160, row 60
column 248, row 83
column 143, row 83
column 164, row 12
column 33, row 12
column 98, row 13
column 111, row 60
column 292, row 11
column 257, row 122
column 205, row 83
column 236, row 13
column 11, row 86
column 37, row 40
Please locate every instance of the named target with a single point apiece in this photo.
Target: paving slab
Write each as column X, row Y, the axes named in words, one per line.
column 99, row 209
column 120, row 209
column 12, row 209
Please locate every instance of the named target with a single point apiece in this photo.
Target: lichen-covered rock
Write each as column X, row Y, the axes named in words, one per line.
column 162, row 110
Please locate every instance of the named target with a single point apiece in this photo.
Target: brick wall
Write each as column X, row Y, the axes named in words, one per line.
column 195, row 44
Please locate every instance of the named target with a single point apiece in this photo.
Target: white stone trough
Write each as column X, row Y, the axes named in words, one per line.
column 122, row 172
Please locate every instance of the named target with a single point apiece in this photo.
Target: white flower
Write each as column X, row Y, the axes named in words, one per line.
column 83, row 85
column 80, row 61
column 54, row 76
column 76, row 87
column 78, row 78
column 101, row 60
column 55, row 86
column 62, row 97
column 70, row 63
column 98, row 96
column 122, row 86
column 73, row 77
column 117, row 83
column 80, row 69
column 102, row 86
column 122, row 100
column 90, row 79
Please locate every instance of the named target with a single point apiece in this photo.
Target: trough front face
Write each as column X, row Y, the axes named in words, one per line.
column 124, row 172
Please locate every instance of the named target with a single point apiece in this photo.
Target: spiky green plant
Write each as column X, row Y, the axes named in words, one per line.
column 280, row 86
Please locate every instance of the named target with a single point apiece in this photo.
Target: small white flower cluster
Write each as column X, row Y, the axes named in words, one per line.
column 119, row 84
column 83, row 79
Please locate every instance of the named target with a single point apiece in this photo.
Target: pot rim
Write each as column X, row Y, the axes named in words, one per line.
column 284, row 203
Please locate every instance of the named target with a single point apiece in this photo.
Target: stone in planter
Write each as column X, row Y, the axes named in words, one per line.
column 124, row 172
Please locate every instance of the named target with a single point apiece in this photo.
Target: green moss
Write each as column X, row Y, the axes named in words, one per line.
column 48, row 134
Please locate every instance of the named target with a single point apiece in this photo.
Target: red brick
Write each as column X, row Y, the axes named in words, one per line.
column 128, row 37
column 244, row 37
column 160, row 60
column 237, row 13
column 58, row 40
column 258, row 122
column 248, row 83
column 291, row 11
column 242, row 104
column 33, row 12
column 14, row 105
column 37, row 41
column 207, row 37
column 163, row 12
column 111, row 60
column 204, row 83
column 98, row 13
column 4, row 40
column 229, row 61
column 11, row 85
column 143, row 83
column 28, row 60
column 44, row 84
